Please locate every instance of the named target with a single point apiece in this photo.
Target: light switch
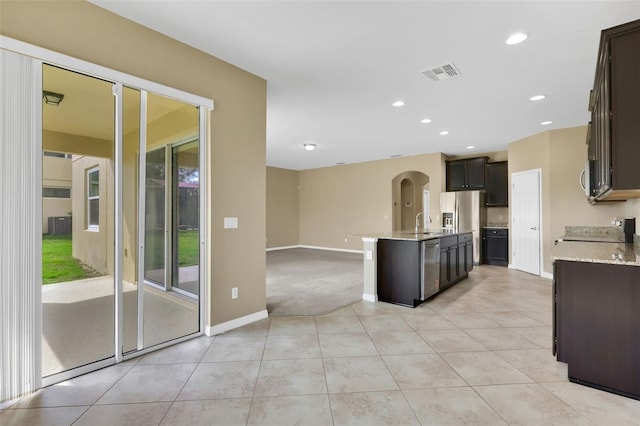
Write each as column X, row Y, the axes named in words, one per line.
column 230, row 222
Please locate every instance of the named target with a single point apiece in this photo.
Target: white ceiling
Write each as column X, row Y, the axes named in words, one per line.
column 334, row 67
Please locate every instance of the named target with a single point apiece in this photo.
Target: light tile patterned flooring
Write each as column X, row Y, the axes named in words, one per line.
column 479, row 354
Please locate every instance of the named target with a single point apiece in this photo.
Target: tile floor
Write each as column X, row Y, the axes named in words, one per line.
column 479, row 353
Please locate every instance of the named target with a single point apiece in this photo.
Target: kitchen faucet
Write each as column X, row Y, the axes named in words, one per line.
column 418, row 222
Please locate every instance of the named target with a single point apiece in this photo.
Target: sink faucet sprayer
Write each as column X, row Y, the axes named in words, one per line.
column 418, row 222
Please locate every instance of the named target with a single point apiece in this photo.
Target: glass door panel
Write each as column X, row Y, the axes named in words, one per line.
column 155, row 229
column 78, row 304
column 168, row 312
column 186, row 218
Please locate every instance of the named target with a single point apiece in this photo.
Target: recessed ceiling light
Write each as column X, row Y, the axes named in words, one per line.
column 516, row 38
column 544, row 123
column 398, row 104
column 537, row 98
column 444, row 132
column 426, row 120
column 309, row 146
column 471, row 147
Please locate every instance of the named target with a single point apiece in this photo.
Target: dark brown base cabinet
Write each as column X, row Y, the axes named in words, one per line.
column 495, row 246
column 596, row 324
column 399, row 272
column 399, row 266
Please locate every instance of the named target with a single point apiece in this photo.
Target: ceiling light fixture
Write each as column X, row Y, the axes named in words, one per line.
column 398, row 104
column 537, row 98
column 545, row 123
column 51, row 98
column 426, row 120
column 444, row 132
column 516, row 38
column 471, row 147
column 309, row 146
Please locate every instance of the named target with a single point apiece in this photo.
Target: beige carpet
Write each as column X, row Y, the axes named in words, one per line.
column 312, row 282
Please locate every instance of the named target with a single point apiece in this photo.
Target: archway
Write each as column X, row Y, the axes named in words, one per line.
column 407, row 199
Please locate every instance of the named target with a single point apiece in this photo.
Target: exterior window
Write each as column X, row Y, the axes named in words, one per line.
column 51, row 192
column 93, row 199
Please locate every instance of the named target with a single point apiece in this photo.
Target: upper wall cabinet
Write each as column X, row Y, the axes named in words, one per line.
column 614, row 131
column 497, row 184
column 466, row 175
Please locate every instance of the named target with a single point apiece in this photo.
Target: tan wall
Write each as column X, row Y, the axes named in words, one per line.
column 282, row 207
column 561, row 155
column 236, row 149
column 75, row 144
column 529, row 154
column 340, row 203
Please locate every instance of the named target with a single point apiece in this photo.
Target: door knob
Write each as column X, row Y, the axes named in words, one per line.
column 534, row 228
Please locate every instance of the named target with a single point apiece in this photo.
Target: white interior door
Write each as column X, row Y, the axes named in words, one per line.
column 525, row 221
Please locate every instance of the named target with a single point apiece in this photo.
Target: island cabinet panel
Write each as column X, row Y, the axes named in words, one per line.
column 597, row 324
column 399, row 271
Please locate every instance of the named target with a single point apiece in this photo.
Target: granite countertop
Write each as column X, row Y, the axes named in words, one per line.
column 411, row 235
column 495, row 227
column 592, row 252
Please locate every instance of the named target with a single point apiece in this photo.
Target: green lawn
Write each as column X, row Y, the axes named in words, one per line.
column 57, row 263
column 188, row 250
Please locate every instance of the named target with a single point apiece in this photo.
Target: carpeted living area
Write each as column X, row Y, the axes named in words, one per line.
column 302, row 281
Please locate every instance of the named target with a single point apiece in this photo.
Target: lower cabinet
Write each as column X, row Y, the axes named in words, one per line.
column 456, row 259
column 495, row 246
column 399, row 265
column 595, row 324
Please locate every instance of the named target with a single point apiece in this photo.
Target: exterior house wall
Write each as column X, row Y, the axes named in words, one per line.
column 93, row 247
column 56, row 173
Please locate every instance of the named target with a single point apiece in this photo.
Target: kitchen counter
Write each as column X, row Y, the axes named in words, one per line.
column 411, row 235
column 597, row 252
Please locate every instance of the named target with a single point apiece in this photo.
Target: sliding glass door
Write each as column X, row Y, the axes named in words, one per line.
column 121, row 221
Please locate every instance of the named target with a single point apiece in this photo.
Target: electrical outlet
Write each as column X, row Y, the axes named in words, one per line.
column 234, row 293
column 346, row 240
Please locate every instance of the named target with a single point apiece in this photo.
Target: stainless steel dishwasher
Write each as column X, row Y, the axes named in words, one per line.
column 430, row 271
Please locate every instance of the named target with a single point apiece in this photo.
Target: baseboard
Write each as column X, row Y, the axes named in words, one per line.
column 332, row 249
column 543, row 274
column 238, row 322
column 369, row 297
column 281, row 248
column 546, row 275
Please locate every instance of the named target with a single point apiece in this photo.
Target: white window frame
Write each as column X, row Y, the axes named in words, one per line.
column 90, row 227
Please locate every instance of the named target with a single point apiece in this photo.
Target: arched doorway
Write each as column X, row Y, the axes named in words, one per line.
column 408, row 199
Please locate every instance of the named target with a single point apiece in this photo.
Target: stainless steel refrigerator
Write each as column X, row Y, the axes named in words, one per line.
column 465, row 211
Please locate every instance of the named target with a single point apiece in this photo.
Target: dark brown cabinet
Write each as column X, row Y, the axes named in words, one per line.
column 497, row 184
column 456, row 259
column 595, row 324
column 466, row 175
column 613, row 137
column 495, row 246
column 399, row 272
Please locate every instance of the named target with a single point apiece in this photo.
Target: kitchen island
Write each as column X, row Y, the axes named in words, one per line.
column 408, row 267
column 596, row 296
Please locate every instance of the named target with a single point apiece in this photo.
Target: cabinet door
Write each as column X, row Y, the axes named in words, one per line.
column 468, row 257
column 497, row 184
column 444, row 268
column 456, row 175
column 398, row 271
column 475, row 173
column 625, row 109
column 453, row 263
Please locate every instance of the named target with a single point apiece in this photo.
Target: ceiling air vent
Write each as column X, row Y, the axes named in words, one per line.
column 442, row 72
